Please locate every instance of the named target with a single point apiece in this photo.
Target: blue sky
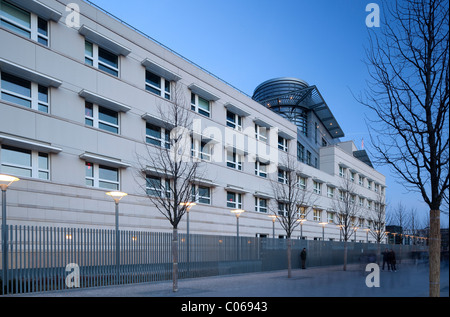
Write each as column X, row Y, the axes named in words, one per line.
column 246, row 42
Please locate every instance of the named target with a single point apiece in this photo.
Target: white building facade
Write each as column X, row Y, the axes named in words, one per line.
column 79, row 102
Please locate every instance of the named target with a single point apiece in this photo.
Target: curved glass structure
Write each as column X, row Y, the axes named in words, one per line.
column 293, row 98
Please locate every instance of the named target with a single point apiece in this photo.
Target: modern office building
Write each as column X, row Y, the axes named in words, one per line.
column 80, row 93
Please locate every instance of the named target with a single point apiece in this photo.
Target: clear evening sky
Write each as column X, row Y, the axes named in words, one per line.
column 246, row 42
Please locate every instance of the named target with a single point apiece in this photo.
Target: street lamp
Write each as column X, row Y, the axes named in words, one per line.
column 323, row 224
column 273, row 224
column 117, row 196
column 237, row 212
column 367, row 234
column 301, row 227
column 188, row 205
column 5, row 182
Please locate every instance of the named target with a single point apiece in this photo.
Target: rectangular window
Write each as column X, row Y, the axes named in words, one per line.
column 341, row 171
column 24, row 163
column 317, row 187
column 101, row 176
column 157, row 186
column 200, row 105
column 300, row 152
column 261, row 169
column 234, row 121
column 261, row 133
column 24, row 92
column 317, row 214
column 282, row 209
column 157, row 85
column 308, row 158
column 157, row 136
column 101, row 118
column 100, row 58
column 260, row 204
column 330, row 217
column 282, row 144
column 201, row 149
column 234, row 200
column 330, row 192
column 301, row 182
column 282, row 176
column 201, row 194
column 234, row 160
column 23, row 23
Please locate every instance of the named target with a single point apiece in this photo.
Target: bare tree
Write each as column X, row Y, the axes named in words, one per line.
column 168, row 168
column 408, row 94
column 378, row 220
column 290, row 197
column 347, row 212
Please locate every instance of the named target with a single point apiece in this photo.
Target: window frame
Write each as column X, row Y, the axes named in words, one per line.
column 236, row 163
column 97, row 180
column 164, row 84
column 33, row 30
column 196, row 197
column 95, row 118
column 237, row 201
column 97, row 63
column 261, row 172
column 195, row 105
column 261, row 205
column 34, row 98
column 35, row 169
column 164, row 140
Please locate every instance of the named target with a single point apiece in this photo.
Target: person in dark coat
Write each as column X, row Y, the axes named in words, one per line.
column 393, row 261
column 303, row 258
column 385, row 259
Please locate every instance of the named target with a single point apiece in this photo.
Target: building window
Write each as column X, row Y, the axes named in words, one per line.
column 234, row 160
column 261, row 204
column 157, row 136
column 317, row 214
column 261, row 133
column 100, row 58
column 24, row 92
column 261, row 169
column 341, row 171
column 157, row 85
column 352, row 176
column 201, row 194
column 369, row 185
column 308, row 158
column 102, row 176
column 301, row 182
column 282, row 176
column 282, row 144
column 300, row 152
column 330, row 192
column 317, row 187
column 23, row 22
column 341, row 195
column 361, row 180
column 301, row 210
column 234, row 121
column 234, row 200
column 101, row 118
column 282, row 209
column 330, row 217
column 200, row 105
column 361, row 202
column 24, row 163
column 324, row 142
column 201, row 149
column 157, row 186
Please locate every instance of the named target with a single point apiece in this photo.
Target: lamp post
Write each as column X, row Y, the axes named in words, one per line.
column 188, row 205
column 273, row 224
column 367, row 234
column 5, row 181
column 323, row 224
column 237, row 212
column 117, row 196
column 301, row 227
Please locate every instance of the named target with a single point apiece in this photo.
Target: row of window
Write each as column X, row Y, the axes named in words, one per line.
column 371, row 185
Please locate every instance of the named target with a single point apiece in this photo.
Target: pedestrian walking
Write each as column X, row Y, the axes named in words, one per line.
column 385, row 259
column 393, row 261
column 303, row 258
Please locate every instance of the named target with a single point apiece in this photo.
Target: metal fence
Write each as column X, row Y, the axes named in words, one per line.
column 46, row 259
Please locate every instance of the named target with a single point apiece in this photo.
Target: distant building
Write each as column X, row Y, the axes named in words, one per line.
column 394, row 235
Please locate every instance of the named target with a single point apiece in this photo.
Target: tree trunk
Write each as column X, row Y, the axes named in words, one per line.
column 175, row 259
column 345, row 255
column 289, row 255
column 435, row 253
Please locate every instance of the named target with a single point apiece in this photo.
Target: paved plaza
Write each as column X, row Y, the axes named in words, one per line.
column 410, row 280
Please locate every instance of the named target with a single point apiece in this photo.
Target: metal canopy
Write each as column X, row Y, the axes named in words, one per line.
column 310, row 99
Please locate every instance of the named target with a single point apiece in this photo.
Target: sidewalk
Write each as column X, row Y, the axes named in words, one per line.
column 409, row 281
